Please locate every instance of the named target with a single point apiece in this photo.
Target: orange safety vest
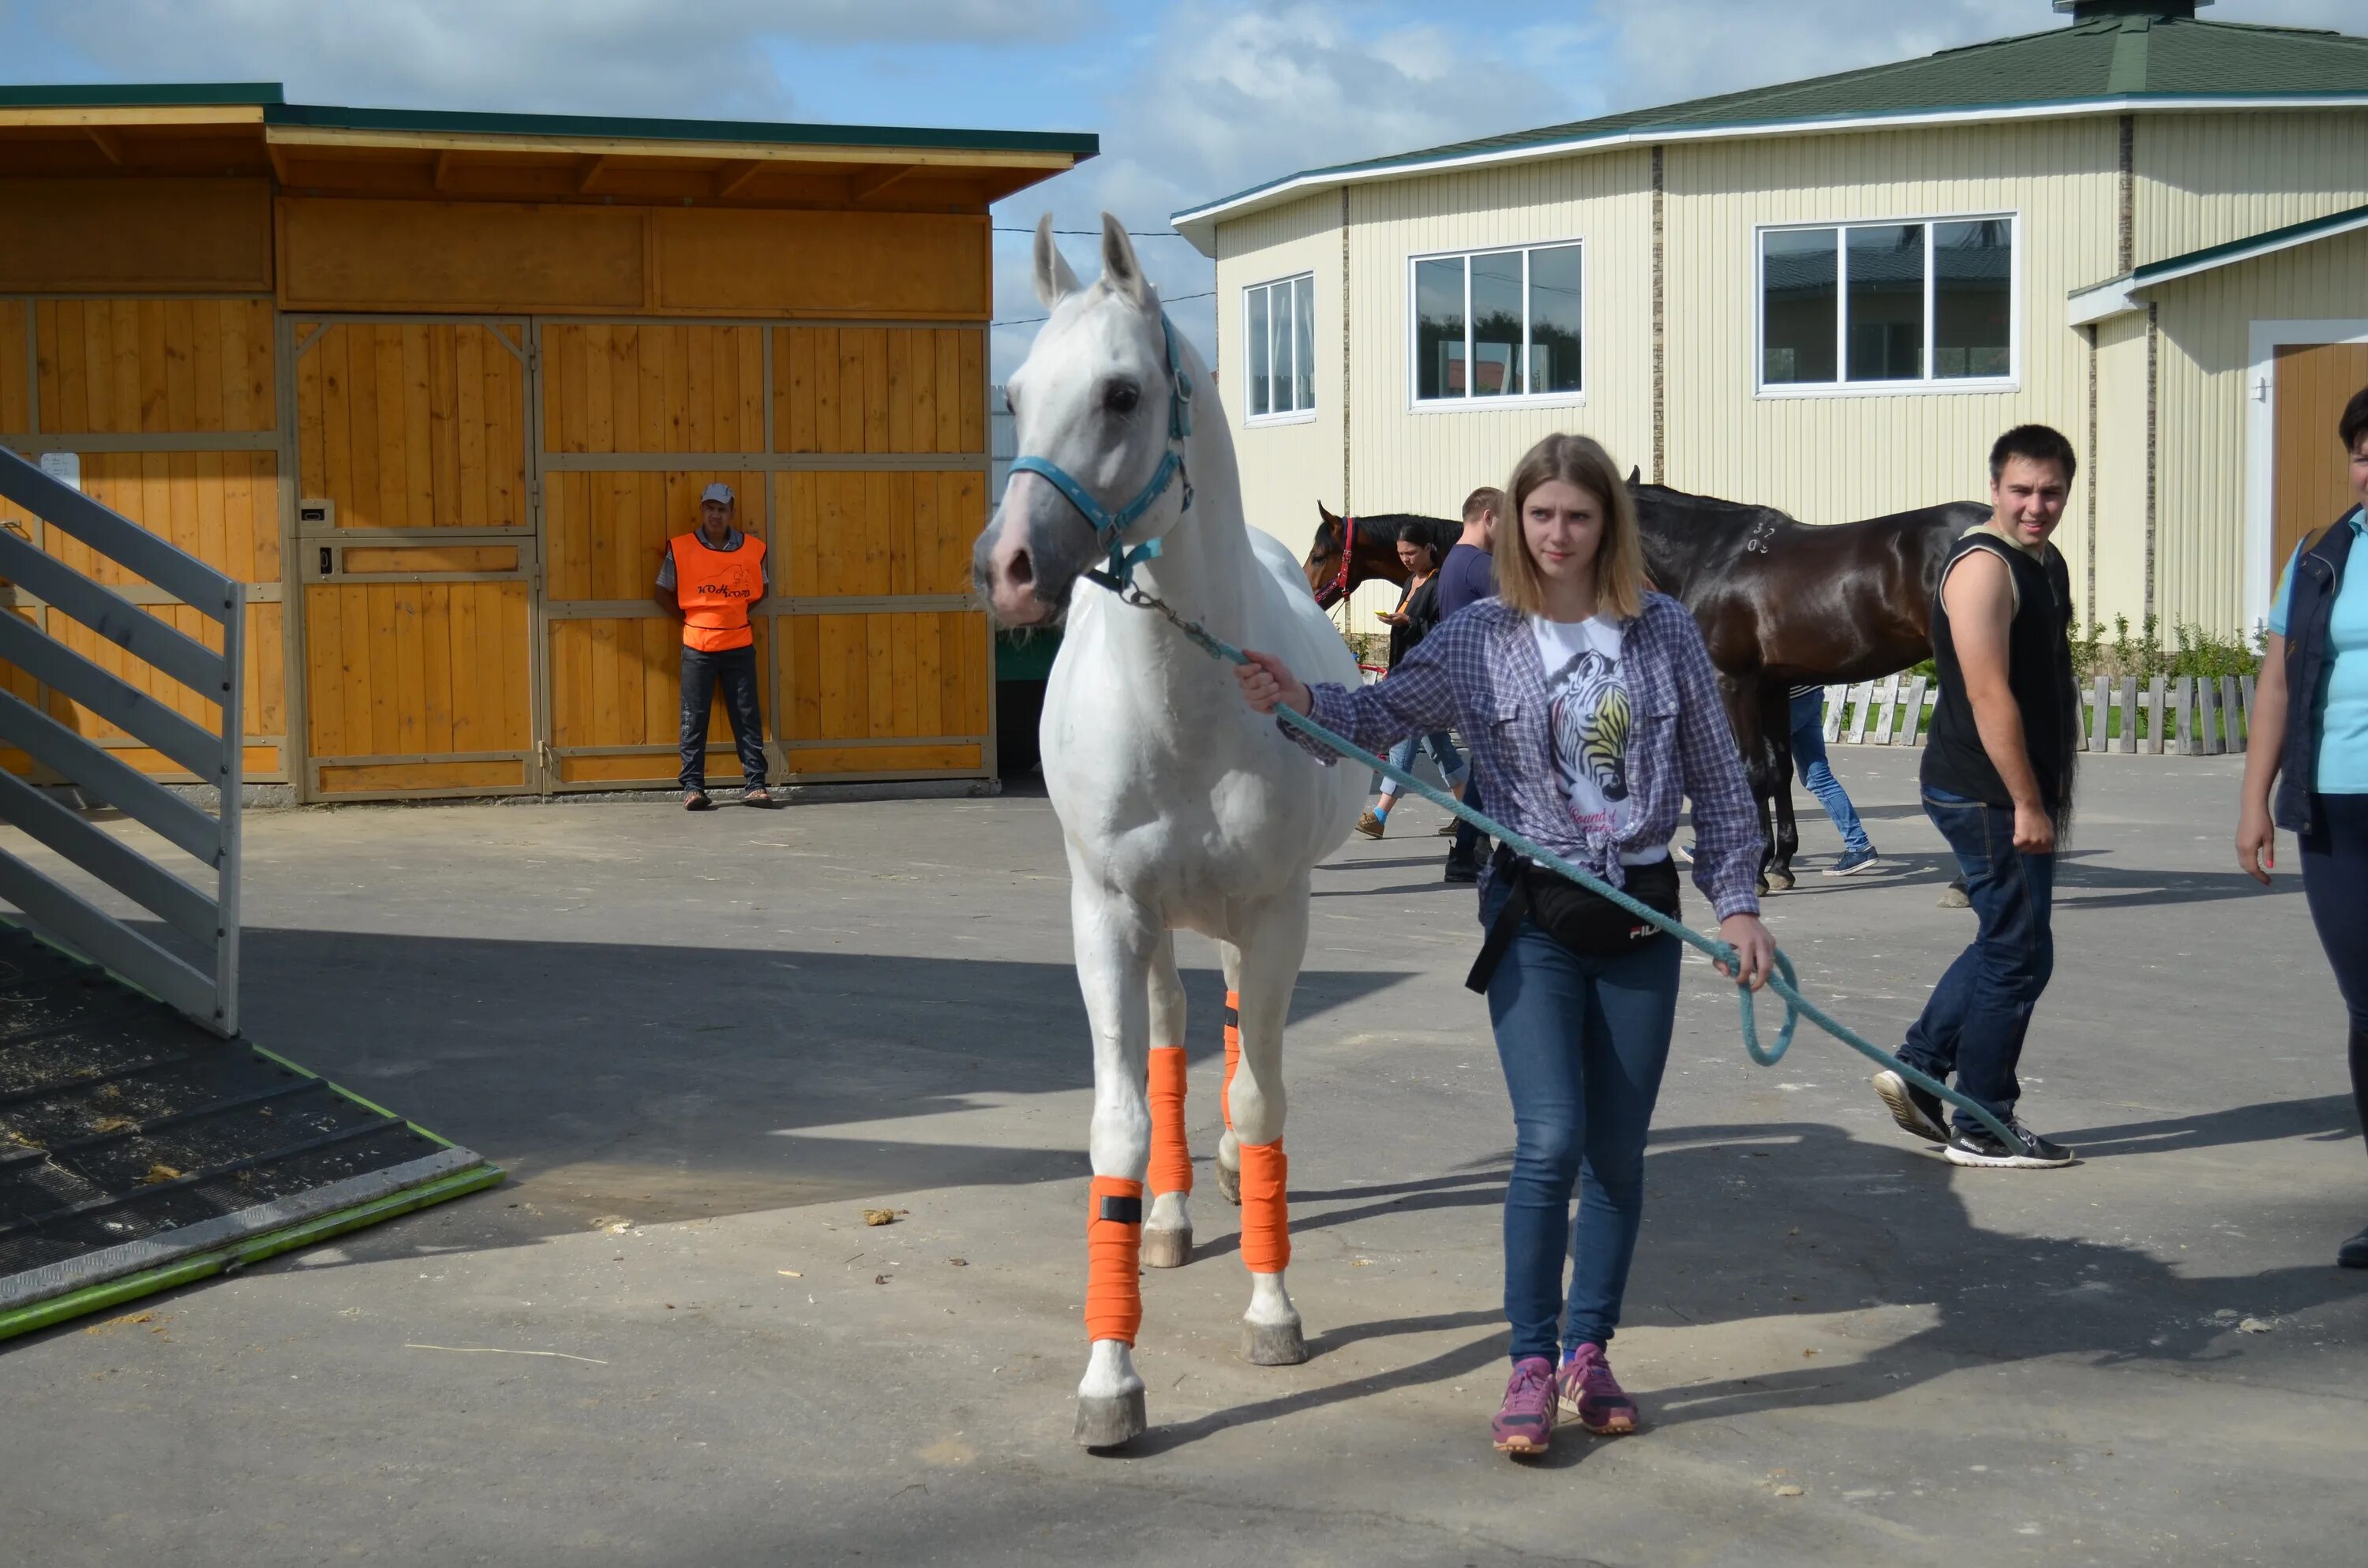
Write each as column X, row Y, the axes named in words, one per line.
column 715, row 588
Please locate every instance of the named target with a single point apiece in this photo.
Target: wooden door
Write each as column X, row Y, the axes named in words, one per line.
column 418, row 554
column 637, row 419
column 887, row 667
column 2313, row 483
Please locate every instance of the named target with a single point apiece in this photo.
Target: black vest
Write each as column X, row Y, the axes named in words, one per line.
column 2317, row 578
column 2039, row 674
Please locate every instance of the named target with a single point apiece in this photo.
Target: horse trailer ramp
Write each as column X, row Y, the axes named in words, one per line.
column 139, row 1152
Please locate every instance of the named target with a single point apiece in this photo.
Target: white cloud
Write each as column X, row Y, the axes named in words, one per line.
column 579, row 56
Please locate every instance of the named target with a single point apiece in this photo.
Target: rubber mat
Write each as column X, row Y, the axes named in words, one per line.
column 138, row 1152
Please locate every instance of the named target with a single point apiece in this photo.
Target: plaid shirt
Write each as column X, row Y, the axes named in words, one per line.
column 1479, row 671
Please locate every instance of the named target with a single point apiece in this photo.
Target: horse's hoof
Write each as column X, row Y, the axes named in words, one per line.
column 1167, row 1249
column 1781, row 881
column 1274, row 1344
column 1762, row 886
column 1229, row 1183
column 1955, row 898
column 1108, row 1420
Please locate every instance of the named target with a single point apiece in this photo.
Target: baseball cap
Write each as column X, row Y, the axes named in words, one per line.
column 716, row 493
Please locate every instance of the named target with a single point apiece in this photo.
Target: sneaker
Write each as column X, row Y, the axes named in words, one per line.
column 1855, row 861
column 1684, row 852
column 1447, row 829
column 1525, row 1422
column 1978, row 1145
column 1370, row 825
column 1462, row 870
column 697, row 800
column 1590, row 1395
column 1918, row 1112
column 2353, row 1254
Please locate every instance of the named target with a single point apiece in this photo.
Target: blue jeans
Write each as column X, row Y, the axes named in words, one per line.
column 1582, row 1042
column 1809, row 760
column 1975, row 1024
column 1443, row 752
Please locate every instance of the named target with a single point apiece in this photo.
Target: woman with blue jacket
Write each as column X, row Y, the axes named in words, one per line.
column 1592, row 708
column 2310, row 739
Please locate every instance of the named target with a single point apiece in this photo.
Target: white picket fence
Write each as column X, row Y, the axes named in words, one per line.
column 2175, row 716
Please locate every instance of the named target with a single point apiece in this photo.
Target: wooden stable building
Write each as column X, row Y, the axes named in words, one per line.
column 440, row 386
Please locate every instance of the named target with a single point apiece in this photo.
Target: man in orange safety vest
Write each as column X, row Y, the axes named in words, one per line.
column 713, row 577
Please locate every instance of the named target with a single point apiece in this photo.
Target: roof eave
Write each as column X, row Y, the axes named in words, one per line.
column 2125, row 295
column 1198, row 224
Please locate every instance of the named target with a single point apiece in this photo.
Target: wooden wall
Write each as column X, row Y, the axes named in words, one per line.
column 507, row 411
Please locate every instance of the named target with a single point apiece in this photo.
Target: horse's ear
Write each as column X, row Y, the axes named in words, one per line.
column 1325, row 513
column 1120, row 270
column 1636, row 475
column 1054, row 281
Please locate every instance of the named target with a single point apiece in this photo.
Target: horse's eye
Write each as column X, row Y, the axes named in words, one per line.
column 1119, row 397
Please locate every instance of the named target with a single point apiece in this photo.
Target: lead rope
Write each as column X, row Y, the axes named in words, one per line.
column 1784, row 982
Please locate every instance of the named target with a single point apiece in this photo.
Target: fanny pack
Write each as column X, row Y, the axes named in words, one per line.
column 1581, row 920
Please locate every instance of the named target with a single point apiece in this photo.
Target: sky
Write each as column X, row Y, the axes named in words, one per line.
column 1192, row 98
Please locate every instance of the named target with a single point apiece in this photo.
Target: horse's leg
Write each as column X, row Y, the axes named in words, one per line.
column 1229, row 1148
column 1167, row 1232
column 1115, row 944
column 1776, row 730
column 1272, row 937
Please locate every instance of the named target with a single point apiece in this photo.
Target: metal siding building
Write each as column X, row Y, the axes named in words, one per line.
column 2181, row 196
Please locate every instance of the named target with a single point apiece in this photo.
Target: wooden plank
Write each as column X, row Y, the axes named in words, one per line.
column 697, row 409
column 971, row 384
column 623, row 370
column 2236, row 713
column 830, row 373
column 1862, row 699
column 505, row 382
column 436, row 667
column 2100, row 714
column 151, row 366
column 1837, row 698
column 469, row 730
column 872, row 435
column 361, row 560
column 1913, row 732
column 388, row 778
column 2244, row 704
column 794, row 390
column 416, row 444
column 205, row 366
column 752, row 425
column 900, row 390
column 809, row 760
column 267, row 666
column 2129, row 713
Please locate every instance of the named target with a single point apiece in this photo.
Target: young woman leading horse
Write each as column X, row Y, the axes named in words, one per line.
column 1591, row 708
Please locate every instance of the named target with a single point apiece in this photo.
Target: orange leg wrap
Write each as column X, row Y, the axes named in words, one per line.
column 1266, row 1224
column 1233, row 1052
column 1114, row 1258
column 1172, row 1152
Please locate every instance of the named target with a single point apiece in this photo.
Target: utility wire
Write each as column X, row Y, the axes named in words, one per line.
column 1177, row 299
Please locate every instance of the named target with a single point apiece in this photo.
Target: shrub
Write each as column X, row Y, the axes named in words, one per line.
column 2194, row 651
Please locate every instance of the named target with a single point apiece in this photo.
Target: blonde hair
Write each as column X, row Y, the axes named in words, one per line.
column 1619, row 557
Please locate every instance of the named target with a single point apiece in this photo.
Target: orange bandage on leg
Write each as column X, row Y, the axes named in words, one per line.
column 1114, row 1258
column 1266, row 1221
column 1172, row 1152
column 1233, row 1052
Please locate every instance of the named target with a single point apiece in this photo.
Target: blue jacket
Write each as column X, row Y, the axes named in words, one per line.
column 2317, row 578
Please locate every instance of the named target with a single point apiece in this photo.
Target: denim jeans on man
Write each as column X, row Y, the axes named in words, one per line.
column 735, row 670
column 1809, row 761
column 1978, row 1015
column 1582, row 1042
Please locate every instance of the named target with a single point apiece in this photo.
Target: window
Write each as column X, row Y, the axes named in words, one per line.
column 1279, row 325
column 1888, row 304
column 1498, row 325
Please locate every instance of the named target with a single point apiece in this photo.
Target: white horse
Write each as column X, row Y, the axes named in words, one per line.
column 1180, row 807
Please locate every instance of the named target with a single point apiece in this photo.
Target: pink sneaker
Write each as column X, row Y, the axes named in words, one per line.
column 1525, row 1422
column 1590, row 1395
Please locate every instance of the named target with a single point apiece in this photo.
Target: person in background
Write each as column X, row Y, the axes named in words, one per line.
column 2309, row 739
column 711, row 577
column 1809, row 761
column 1997, row 775
column 1417, row 613
column 1591, row 708
column 1467, row 576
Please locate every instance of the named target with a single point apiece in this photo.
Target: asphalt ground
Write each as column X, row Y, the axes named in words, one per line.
column 705, row 1045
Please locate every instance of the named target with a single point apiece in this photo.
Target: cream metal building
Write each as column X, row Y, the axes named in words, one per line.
column 2147, row 229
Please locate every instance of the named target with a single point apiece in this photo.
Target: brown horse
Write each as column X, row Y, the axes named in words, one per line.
column 1780, row 603
column 1348, row 551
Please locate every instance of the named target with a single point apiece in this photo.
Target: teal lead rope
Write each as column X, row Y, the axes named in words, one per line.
column 1784, row 982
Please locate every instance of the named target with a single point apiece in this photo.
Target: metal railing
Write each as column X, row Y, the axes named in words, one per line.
column 216, row 755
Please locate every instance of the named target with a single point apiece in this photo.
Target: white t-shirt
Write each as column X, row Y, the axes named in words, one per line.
column 1589, row 713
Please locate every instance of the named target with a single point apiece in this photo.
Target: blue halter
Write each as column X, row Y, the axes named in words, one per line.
column 1110, row 526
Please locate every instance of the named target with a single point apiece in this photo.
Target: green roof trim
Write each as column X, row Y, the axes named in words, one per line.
column 141, row 94
column 461, row 122
column 2117, row 295
column 2099, row 64
column 272, row 97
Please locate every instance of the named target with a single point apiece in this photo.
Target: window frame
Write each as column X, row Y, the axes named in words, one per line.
column 1417, row 403
column 1285, row 287
column 1928, row 385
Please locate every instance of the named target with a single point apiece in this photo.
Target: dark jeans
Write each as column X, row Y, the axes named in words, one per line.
column 1469, row 840
column 1582, row 1042
column 1809, row 761
column 2335, row 880
column 1975, row 1024
column 735, row 670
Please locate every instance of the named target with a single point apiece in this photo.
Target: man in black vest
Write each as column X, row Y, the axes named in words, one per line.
column 1998, row 782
